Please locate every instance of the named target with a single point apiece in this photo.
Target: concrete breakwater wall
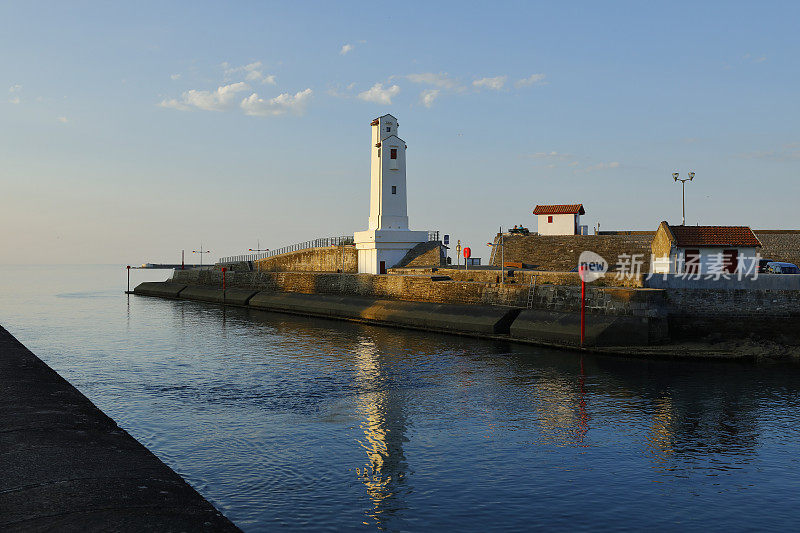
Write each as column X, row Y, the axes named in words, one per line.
column 705, row 310
column 69, row 467
column 560, row 328
column 553, row 297
column 547, row 314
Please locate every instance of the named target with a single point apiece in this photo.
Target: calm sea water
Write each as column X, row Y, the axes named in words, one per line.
column 296, row 423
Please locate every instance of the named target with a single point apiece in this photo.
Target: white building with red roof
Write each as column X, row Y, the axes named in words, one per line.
column 559, row 219
column 704, row 249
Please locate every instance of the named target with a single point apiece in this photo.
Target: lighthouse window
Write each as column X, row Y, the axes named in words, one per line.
column 388, row 128
column 394, row 189
column 394, row 153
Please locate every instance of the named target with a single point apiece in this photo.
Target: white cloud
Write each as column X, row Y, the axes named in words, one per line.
column 251, row 72
column 441, row 79
column 428, row 96
column 63, row 120
column 221, row 99
column 556, row 156
column 754, row 59
column 14, row 89
column 600, row 166
column 533, row 79
column 788, row 152
column 495, row 83
column 283, row 103
column 379, row 95
column 175, row 77
column 346, row 48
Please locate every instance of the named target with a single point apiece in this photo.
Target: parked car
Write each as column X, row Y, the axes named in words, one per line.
column 762, row 265
column 776, row 267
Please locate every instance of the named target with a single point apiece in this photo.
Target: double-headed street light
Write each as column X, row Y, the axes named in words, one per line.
column 201, row 252
column 683, row 191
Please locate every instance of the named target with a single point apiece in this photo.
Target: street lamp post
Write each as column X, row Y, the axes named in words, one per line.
column 683, row 191
column 201, row 252
column 258, row 248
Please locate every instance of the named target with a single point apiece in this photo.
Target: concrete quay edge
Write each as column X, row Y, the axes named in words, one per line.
column 67, row 466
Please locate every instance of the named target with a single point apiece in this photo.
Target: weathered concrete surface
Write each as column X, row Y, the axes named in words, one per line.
column 456, row 318
column 601, row 330
column 164, row 289
column 66, row 466
column 210, row 294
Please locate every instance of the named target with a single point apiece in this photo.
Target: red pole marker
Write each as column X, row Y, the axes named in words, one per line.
column 583, row 305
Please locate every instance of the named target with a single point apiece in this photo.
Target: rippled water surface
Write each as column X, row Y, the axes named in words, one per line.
column 297, row 423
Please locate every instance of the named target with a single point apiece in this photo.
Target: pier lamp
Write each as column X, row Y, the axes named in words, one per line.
column 675, row 176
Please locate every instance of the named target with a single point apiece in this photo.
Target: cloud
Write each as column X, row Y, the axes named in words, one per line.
column 495, row 83
column 533, row 79
column 428, row 96
column 442, row 79
column 255, row 106
column 553, row 156
column 63, row 120
column 175, row 77
column 221, row 99
column 379, row 95
column 599, row 166
column 754, row 59
column 788, row 152
column 251, row 72
column 14, row 99
column 346, row 48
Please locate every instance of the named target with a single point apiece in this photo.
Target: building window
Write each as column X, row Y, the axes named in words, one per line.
column 550, row 220
column 394, row 153
column 388, row 129
column 691, row 261
column 394, row 189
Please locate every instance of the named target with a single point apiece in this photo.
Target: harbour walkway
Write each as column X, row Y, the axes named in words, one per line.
column 66, row 466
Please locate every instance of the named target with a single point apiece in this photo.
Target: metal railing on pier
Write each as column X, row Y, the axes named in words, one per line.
column 343, row 240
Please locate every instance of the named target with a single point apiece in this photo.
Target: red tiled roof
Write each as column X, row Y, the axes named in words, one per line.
column 561, row 209
column 735, row 236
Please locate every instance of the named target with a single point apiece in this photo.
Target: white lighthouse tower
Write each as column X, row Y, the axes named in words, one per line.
column 388, row 238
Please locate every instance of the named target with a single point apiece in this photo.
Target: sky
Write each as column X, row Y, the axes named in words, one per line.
column 132, row 131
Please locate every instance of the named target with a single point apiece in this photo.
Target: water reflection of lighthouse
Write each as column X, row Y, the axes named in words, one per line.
column 381, row 407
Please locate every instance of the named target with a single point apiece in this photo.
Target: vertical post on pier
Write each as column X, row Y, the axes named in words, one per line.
column 129, row 280
column 182, row 254
column 583, row 304
column 223, row 280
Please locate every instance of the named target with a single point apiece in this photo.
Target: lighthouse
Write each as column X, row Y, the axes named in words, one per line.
column 388, row 238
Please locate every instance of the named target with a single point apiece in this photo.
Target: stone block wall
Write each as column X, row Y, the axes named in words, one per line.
column 780, row 245
column 425, row 254
column 327, row 259
column 522, row 277
column 562, row 298
column 560, row 252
